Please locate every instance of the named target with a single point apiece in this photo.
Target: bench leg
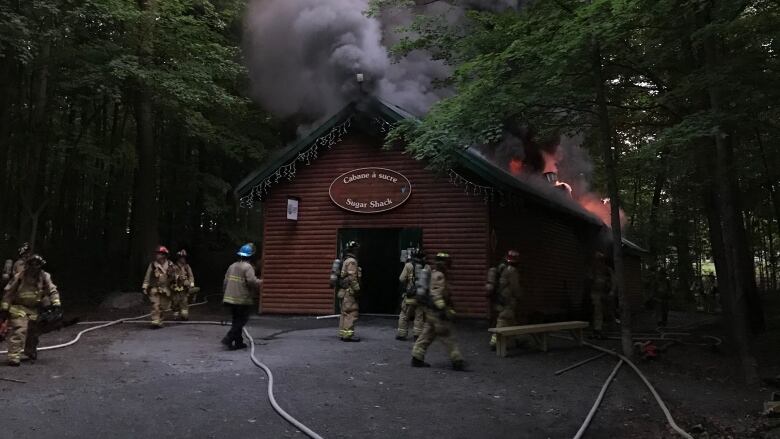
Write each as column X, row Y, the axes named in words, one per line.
column 539, row 341
column 544, row 342
column 501, row 342
column 577, row 335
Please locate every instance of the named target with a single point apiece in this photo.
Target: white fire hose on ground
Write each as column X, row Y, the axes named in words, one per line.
column 105, row 324
column 611, row 377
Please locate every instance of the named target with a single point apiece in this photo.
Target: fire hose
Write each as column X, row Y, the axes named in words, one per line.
column 105, row 324
column 611, row 377
column 657, row 397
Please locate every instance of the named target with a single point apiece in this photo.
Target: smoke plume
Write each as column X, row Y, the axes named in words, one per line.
column 304, row 56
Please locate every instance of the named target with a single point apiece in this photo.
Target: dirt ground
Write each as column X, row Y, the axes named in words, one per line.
column 128, row 381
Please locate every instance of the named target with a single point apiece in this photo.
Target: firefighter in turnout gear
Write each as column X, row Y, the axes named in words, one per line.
column 25, row 252
column 410, row 309
column 438, row 317
column 158, row 285
column 183, row 283
column 601, row 288
column 30, row 293
column 349, row 293
column 241, row 288
column 507, row 292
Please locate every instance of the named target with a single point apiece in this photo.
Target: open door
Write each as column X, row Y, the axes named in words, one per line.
column 382, row 255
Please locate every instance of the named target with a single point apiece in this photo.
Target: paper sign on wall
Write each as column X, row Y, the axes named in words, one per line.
column 292, row 208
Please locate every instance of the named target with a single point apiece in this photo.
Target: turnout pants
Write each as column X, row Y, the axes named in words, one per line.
column 24, row 338
column 598, row 311
column 506, row 317
column 436, row 328
column 240, row 315
column 410, row 311
column 661, row 311
column 160, row 302
column 180, row 304
column 350, row 311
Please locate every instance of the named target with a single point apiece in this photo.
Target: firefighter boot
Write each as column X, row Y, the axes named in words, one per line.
column 419, row 363
column 239, row 344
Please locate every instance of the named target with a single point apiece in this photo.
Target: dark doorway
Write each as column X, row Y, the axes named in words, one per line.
column 380, row 259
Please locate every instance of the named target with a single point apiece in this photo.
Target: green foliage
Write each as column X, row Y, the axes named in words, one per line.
column 98, row 56
column 536, row 66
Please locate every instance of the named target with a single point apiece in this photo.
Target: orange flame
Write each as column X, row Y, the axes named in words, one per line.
column 601, row 208
column 550, row 161
column 516, row 166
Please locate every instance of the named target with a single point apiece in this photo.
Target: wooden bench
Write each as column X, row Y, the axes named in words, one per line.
column 537, row 332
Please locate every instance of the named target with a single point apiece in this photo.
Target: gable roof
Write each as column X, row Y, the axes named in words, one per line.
column 381, row 116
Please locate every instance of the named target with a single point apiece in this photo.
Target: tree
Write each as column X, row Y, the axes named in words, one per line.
column 645, row 82
column 141, row 130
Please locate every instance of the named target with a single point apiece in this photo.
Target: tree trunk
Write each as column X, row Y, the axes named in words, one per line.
column 682, row 243
column 732, row 229
column 651, row 233
column 144, row 213
column 609, row 149
column 144, row 222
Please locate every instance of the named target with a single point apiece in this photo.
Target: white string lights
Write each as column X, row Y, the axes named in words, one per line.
column 328, row 140
column 470, row 188
column 334, row 137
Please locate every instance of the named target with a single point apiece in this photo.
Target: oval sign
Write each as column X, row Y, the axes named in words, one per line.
column 370, row 190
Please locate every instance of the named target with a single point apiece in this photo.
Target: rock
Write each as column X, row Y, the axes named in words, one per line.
column 119, row 300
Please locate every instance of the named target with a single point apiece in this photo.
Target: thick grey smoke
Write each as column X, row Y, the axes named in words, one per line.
column 304, row 54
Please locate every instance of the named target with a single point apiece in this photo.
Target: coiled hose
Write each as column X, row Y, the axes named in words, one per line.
column 105, row 324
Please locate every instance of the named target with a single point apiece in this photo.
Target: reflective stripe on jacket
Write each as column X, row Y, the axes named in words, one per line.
column 241, row 285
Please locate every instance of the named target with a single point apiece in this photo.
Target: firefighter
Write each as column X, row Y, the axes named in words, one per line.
column 29, row 293
column 157, row 285
column 410, row 310
column 438, row 317
column 241, row 287
column 8, row 271
column 349, row 293
column 507, row 293
column 602, row 286
column 183, row 283
column 25, row 251
column 662, row 292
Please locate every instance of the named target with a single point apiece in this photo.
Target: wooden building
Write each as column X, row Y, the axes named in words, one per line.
column 339, row 184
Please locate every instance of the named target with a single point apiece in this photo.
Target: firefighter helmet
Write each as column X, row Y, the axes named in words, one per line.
column 512, row 257
column 24, row 249
column 181, row 253
column 247, row 250
column 163, row 250
column 353, row 246
column 442, row 256
column 36, row 261
column 417, row 253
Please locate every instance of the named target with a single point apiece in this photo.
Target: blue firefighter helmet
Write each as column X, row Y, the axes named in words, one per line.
column 247, row 250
